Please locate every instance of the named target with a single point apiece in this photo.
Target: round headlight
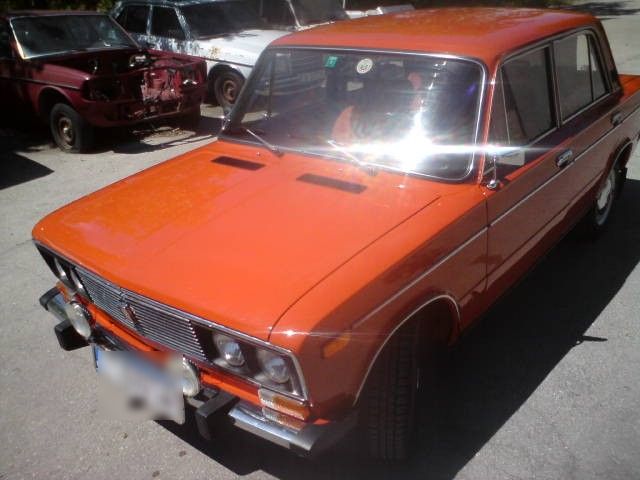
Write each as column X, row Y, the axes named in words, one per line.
column 79, row 318
column 189, row 379
column 274, row 366
column 62, row 273
column 229, row 350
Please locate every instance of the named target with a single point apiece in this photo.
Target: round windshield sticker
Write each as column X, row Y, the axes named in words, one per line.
column 364, row 66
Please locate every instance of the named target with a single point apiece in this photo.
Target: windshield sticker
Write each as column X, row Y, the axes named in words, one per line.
column 331, row 61
column 364, row 66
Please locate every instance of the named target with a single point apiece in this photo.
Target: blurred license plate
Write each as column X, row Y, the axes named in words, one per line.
column 146, row 386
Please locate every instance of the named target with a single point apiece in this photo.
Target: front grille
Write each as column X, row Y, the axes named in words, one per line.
column 152, row 320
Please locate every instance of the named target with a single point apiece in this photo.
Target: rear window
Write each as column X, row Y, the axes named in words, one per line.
column 580, row 79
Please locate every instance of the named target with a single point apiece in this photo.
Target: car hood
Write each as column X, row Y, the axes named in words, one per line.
column 243, row 47
column 232, row 243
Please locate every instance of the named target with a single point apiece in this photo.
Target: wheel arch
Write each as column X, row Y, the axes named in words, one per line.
column 622, row 152
column 47, row 98
column 441, row 313
column 218, row 68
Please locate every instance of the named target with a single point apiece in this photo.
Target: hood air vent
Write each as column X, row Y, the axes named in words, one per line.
column 237, row 163
column 332, row 183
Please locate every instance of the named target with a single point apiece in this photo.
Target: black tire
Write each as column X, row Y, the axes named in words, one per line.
column 596, row 220
column 70, row 131
column 391, row 392
column 226, row 88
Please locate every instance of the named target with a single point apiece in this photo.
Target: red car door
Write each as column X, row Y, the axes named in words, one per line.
column 535, row 184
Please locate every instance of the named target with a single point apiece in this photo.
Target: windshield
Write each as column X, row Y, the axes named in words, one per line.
column 417, row 114
column 309, row 12
column 68, row 33
column 218, row 18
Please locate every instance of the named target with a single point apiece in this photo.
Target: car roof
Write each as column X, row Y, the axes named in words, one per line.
column 177, row 3
column 47, row 13
column 479, row 32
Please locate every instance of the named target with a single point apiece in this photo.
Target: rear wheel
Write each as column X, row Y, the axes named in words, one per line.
column 226, row 88
column 599, row 215
column 70, row 131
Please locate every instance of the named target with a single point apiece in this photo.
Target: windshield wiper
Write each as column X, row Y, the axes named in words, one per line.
column 351, row 158
column 269, row 146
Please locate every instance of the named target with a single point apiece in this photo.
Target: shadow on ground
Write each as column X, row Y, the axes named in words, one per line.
column 16, row 169
column 606, row 9
column 25, row 137
column 492, row 372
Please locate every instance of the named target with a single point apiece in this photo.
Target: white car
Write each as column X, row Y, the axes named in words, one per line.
column 228, row 34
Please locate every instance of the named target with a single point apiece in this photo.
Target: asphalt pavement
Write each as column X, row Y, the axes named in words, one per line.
column 547, row 387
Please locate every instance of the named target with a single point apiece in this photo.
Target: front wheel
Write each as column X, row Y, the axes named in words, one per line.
column 390, row 401
column 226, row 88
column 70, row 131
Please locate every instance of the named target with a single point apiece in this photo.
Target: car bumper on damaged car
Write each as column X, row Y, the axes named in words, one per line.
column 212, row 407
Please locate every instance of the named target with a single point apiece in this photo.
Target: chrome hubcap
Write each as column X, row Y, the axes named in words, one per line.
column 229, row 90
column 65, row 129
column 605, row 197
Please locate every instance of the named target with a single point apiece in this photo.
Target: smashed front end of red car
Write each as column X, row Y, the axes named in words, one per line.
column 152, row 85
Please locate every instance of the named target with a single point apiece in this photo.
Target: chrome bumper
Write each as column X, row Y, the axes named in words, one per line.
column 309, row 440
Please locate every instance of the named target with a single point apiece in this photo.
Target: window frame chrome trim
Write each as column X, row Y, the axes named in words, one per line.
column 590, row 33
column 480, row 108
column 548, row 42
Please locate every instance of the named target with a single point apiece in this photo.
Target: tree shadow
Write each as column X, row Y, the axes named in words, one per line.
column 605, row 9
column 492, row 371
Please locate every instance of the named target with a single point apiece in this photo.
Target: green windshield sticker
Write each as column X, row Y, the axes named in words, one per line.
column 331, row 61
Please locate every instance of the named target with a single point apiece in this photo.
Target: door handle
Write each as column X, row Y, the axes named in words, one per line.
column 564, row 159
column 616, row 119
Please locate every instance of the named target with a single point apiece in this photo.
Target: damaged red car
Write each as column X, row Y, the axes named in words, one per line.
column 79, row 71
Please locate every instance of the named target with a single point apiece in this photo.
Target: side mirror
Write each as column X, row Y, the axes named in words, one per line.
column 502, row 156
column 513, row 157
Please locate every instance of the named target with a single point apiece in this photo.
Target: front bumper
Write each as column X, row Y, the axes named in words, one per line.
column 214, row 406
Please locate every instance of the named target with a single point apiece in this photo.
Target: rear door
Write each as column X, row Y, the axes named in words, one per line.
column 587, row 109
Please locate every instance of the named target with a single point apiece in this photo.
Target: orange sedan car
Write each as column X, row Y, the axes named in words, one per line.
column 379, row 184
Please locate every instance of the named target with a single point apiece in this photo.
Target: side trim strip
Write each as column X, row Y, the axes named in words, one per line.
column 418, row 279
column 557, row 174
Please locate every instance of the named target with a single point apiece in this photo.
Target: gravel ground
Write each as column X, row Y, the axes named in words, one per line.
column 547, row 387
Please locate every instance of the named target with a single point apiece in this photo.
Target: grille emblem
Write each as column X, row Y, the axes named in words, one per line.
column 127, row 309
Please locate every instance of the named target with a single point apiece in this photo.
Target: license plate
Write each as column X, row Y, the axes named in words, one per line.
column 146, row 387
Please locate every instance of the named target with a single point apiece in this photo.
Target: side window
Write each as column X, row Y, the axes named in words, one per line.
column 133, row 18
column 580, row 80
column 522, row 102
column 165, row 23
column 277, row 12
column 5, row 45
